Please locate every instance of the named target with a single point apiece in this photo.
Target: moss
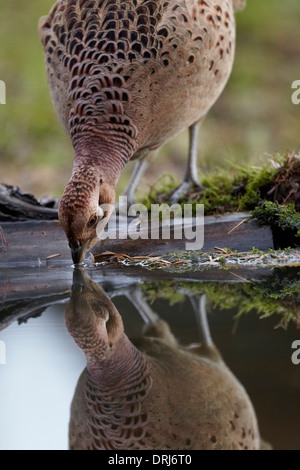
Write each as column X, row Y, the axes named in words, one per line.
column 276, row 215
column 165, row 185
column 278, row 295
column 277, row 181
column 163, row 289
column 283, row 219
column 178, row 262
column 271, row 192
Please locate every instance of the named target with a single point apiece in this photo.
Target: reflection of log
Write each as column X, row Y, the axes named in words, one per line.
column 23, row 309
column 26, row 292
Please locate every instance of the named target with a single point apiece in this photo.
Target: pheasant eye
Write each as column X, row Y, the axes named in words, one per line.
column 92, row 220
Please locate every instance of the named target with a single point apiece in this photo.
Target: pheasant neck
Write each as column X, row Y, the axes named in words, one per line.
column 123, row 368
column 105, row 159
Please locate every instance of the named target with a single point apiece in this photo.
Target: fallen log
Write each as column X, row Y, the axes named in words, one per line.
column 33, row 242
column 16, row 205
column 30, row 233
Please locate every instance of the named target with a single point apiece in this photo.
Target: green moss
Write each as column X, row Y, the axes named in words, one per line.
column 259, row 183
column 165, row 185
column 223, row 193
column 272, row 193
column 278, row 295
column 163, row 289
column 284, row 221
column 284, row 217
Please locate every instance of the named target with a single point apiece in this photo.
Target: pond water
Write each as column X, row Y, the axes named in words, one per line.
column 252, row 318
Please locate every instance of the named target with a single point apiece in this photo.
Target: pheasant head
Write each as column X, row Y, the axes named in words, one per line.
column 96, row 326
column 84, row 210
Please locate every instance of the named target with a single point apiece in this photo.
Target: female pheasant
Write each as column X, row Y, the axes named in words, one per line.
column 125, row 77
column 151, row 393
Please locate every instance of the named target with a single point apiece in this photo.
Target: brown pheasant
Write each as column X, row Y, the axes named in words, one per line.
column 153, row 394
column 126, row 76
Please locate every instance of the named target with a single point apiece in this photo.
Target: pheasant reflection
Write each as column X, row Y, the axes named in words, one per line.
column 153, row 394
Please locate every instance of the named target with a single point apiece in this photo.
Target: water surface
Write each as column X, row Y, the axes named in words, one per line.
column 42, row 363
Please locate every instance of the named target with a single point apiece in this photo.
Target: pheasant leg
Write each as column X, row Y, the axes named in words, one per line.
column 129, row 193
column 191, row 175
column 199, row 307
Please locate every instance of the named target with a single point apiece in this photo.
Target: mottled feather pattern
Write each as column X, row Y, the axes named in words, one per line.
column 115, row 66
column 125, row 77
column 116, row 416
column 150, row 393
column 171, row 399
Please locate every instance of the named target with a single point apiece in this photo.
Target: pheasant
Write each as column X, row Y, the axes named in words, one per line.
column 151, row 393
column 125, row 77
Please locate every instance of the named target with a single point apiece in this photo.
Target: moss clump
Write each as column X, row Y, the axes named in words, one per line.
column 279, row 181
column 284, row 221
column 157, row 194
column 271, row 192
column 278, row 216
column 221, row 194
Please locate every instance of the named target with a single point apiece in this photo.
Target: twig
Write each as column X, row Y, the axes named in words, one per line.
column 221, row 249
column 239, row 277
column 53, row 256
column 240, row 223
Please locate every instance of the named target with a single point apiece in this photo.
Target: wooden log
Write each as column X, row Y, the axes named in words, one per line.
column 39, row 235
column 232, row 231
column 16, row 205
column 36, row 266
column 35, row 242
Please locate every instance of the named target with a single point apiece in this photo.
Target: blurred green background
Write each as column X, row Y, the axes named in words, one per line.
column 253, row 119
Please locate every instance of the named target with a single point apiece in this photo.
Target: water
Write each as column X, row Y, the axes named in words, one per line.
column 251, row 315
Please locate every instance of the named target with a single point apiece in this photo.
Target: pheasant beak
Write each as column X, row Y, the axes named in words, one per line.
column 78, row 251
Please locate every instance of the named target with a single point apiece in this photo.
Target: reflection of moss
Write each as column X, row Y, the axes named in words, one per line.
column 162, row 289
column 261, row 298
column 277, row 295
